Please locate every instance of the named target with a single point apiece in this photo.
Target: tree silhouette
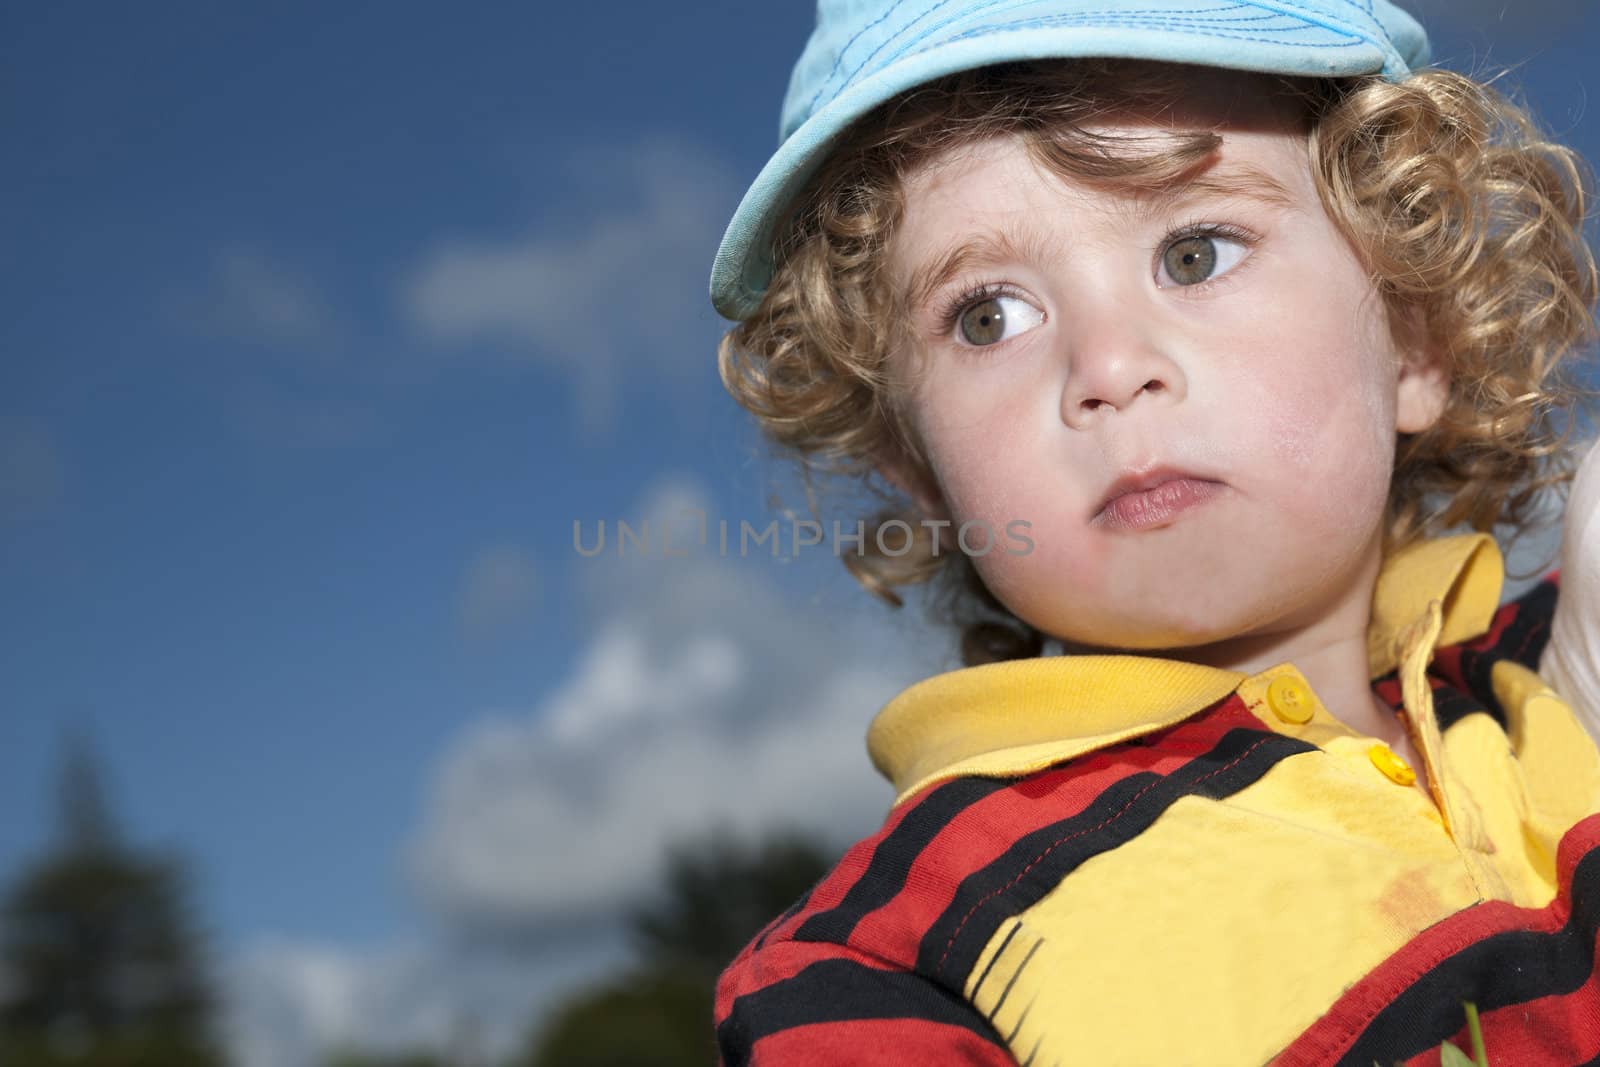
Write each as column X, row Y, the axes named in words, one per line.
column 102, row 968
column 718, row 895
column 462, row 1050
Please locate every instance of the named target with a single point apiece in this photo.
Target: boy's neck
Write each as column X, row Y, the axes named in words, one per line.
column 1329, row 650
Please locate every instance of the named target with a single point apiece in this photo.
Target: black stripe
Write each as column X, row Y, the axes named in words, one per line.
column 841, row 991
column 885, row 875
column 1005, row 891
column 1451, row 705
column 1529, row 633
column 1006, row 992
column 1512, row 967
column 1017, row 1029
column 1523, row 640
column 790, row 912
column 997, row 954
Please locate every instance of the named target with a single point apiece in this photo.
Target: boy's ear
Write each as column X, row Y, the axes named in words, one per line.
column 1423, row 386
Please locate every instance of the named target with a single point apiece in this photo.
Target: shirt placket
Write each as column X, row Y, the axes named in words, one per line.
column 1414, row 647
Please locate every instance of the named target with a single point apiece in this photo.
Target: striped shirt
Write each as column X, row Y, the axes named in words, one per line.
column 1129, row 860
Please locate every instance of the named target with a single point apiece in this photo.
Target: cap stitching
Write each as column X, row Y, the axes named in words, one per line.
column 909, row 48
column 1140, row 13
column 904, row 50
column 1210, row 28
column 1178, row 26
column 811, row 108
column 890, row 40
column 1319, row 17
column 1126, row 18
column 1142, row 17
column 838, row 59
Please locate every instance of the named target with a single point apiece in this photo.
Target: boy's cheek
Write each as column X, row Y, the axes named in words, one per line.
column 1045, row 561
column 1330, row 466
column 1325, row 404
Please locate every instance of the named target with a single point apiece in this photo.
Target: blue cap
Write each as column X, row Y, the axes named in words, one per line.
column 863, row 52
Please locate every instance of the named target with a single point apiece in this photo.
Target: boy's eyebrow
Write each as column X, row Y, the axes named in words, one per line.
column 1238, row 182
column 1010, row 242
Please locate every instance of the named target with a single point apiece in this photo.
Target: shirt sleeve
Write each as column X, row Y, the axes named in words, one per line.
column 1571, row 660
column 801, row 1003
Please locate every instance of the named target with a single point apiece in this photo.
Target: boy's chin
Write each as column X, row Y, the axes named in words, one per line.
column 1204, row 637
column 1171, row 641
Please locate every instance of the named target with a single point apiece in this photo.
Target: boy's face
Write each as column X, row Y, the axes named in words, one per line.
column 1229, row 341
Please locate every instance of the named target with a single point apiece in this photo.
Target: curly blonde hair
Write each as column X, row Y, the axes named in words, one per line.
column 1467, row 217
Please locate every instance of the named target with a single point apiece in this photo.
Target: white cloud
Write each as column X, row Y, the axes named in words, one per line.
column 32, row 472
column 269, row 296
column 705, row 697
column 254, row 295
column 291, row 1002
column 300, row 382
column 499, row 590
column 289, row 999
column 624, row 285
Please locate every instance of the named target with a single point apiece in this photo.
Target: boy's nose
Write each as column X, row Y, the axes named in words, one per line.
column 1109, row 373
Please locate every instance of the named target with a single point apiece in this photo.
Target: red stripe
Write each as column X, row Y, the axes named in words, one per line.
column 838, row 882
column 890, row 935
column 1336, row 1031
column 1447, row 661
column 878, row 1043
column 778, row 961
column 983, row 832
column 1553, row 1031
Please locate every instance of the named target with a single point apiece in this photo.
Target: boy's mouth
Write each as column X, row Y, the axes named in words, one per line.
column 1152, row 498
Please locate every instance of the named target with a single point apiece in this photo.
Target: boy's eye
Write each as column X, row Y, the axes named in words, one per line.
column 996, row 318
column 1198, row 257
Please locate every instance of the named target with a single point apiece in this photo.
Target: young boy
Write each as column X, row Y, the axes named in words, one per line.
column 1232, row 309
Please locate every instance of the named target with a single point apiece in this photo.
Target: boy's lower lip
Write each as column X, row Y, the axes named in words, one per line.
column 1157, row 506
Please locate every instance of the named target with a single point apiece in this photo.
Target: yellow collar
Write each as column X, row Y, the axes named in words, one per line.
column 1023, row 715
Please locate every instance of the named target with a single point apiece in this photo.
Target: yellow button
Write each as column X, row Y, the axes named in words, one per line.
column 1393, row 767
column 1290, row 699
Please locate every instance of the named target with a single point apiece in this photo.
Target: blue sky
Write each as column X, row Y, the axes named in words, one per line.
column 261, row 484
column 323, row 324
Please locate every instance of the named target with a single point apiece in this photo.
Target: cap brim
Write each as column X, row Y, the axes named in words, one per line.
column 1279, row 41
